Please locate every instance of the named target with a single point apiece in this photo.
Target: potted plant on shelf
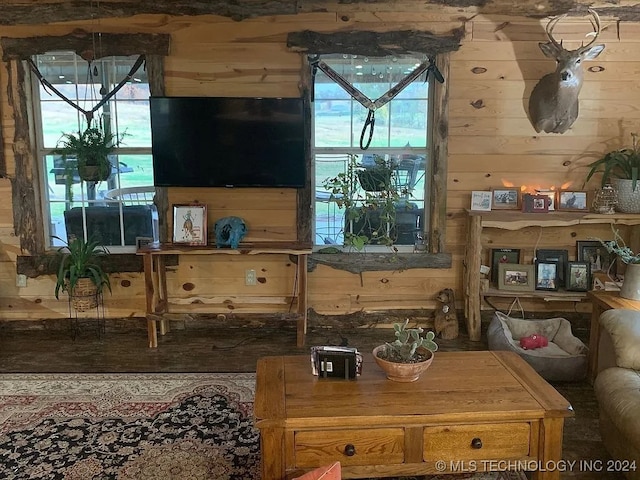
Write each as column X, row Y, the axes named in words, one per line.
column 631, row 284
column 80, row 272
column 408, row 356
column 91, row 149
column 370, row 199
column 622, row 166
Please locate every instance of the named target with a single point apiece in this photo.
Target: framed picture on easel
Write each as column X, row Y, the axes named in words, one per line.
column 190, row 224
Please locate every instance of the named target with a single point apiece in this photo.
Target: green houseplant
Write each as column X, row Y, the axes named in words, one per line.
column 404, row 359
column 371, row 199
column 631, row 284
column 91, row 149
column 623, row 166
column 80, row 272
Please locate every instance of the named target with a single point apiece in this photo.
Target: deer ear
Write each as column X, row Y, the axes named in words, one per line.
column 549, row 49
column 593, row 52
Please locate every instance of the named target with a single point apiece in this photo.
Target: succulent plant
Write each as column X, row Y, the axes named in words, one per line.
column 408, row 340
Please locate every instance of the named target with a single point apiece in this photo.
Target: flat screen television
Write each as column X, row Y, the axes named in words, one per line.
column 228, row 142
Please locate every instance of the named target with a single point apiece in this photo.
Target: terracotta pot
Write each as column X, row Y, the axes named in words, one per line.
column 401, row 372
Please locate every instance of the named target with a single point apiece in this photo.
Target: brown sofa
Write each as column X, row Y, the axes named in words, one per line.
column 617, row 388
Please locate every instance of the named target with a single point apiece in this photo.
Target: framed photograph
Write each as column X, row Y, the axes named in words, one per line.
column 505, row 198
column 514, row 276
column 547, row 275
column 561, row 257
column 599, row 259
column 190, row 224
column 552, row 194
column 481, row 200
column 578, row 276
column 573, row 201
column 535, row 203
column 502, row 255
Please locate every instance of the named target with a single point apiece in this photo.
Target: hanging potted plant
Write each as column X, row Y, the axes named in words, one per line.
column 622, row 165
column 80, row 272
column 91, row 149
column 408, row 356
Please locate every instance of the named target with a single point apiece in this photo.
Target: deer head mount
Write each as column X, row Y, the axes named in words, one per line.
column 553, row 105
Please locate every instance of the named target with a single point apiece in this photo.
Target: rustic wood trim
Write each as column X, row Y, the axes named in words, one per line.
column 439, row 152
column 375, row 44
column 304, row 212
column 155, row 74
column 83, row 43
column 357, row 262
column 27, row 216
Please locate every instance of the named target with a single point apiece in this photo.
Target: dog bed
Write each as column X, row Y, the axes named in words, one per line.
column 563, row 359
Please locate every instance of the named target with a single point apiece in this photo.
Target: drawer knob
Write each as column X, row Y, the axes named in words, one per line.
column 349, row 450
column 476, row 443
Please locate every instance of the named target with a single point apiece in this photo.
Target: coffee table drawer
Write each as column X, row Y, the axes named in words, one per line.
column 462, row 442
column 377, row 446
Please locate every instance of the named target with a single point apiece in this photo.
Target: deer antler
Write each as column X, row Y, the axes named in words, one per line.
column 595, row 23
column 549, row 29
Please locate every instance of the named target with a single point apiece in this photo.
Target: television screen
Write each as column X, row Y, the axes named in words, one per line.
column 228, row 142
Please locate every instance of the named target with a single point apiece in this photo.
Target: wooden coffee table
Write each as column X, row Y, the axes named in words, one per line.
column 471, row 411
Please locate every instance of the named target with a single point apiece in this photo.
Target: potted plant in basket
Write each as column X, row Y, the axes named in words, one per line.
column 91, row 149
column 408, row 355
column 80, row 272
column 622, row 165
column 631, row 284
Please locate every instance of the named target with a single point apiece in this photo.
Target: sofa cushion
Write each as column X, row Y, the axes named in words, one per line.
column 624, row 329
column 618, row 393
column 330, row 472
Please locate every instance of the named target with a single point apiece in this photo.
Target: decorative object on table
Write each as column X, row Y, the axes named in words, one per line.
column 445, row 322
column 516, row 277
column 90, row 151
column 408, row 356
column 505, row 199
column 631, row 284
column 481, row 201
column 547, row 275
column 535, row 203
column 599, row 258
column 143, row 242
column 623, row 167
column 80, row 272
column 190, row 224
column 573, row 201
column 578, row 278
column 561, row 257
column 552, row 194
column 605, row 200
column 229, row 231
column 336, row 362
column 502, row 255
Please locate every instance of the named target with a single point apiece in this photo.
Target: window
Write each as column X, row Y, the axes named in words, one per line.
column 117, row 210
column 400, row 139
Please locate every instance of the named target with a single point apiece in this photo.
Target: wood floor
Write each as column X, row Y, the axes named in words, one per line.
column 215, row 346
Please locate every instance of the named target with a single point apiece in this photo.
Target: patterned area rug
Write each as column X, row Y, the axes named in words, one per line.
column 135, row 427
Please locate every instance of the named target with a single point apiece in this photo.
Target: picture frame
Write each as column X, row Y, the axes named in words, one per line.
column 516, row 277
column 573, row 201
column 599, row 258
column 505, row 199
column 535, row 203
column 578, row 276
column 559, row 256
column 546, row 275
column 142, row 241
column 502, row 255
column 552, row 194
column 190, row 224
column 481, row 200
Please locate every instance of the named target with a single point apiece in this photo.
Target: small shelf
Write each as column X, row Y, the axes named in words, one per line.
column 548, row 296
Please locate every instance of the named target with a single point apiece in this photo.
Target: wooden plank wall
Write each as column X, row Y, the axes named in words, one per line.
column 491, row 144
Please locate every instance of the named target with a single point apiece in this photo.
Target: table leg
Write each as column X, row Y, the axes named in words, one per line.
column 594, row 340
column 152, row 332
column 550, row 449
column 302, row 300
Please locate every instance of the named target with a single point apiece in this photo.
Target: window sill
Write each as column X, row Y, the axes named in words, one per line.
column 357, row 262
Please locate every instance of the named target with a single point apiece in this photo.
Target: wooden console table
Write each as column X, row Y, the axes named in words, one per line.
column 602, row 300
column 468, row 410
column 516, row 220
column 156, row 281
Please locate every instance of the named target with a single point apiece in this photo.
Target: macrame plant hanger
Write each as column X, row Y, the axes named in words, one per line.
column 428, row 66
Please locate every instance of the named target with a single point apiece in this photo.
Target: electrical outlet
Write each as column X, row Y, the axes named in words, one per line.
column 21, row 280
column 250, row 277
